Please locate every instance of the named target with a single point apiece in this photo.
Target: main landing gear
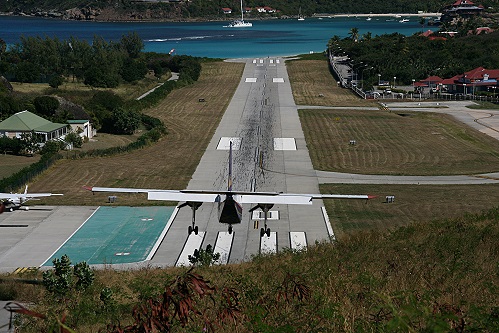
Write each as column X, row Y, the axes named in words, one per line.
column 194, row 206
column 265, row 207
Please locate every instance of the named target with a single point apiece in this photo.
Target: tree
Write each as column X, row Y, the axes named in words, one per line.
column 27, row 72
column 74, row 139
column 133, row 70
column 56, row 81
column 12, row 146
column 354, row 34
column 132, row 44
column 30, row 143
column 46, row 105
column 123, row 121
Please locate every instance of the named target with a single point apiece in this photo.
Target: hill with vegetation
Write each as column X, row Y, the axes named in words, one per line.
column 440, row 276
column 210, row 10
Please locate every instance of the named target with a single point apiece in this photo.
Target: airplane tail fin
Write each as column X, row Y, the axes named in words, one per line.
column 229, row 185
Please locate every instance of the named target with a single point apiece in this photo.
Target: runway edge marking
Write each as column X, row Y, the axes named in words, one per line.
column 67, row 239
column 328, row 224
column 162, row 235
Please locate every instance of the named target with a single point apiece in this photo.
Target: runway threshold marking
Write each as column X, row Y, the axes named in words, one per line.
column 223, row 246
column 224, row 143
column 278, row 80
column 192, row 243
column 271, row 215
column 284, row 144
column 268, row 245
column 298, row 240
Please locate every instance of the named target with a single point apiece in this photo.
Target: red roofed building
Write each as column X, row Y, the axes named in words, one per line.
column 460, row 8
column 227, row 10
column 478, row 79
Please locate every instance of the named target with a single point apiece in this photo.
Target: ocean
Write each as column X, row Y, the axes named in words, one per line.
column 211, row 39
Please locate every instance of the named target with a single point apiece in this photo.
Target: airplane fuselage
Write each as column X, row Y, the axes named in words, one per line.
column 230, row 211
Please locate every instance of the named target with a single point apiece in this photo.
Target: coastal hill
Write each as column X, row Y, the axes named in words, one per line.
column 205, row 10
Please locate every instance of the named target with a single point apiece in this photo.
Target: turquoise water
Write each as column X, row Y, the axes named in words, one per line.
column 211, row 39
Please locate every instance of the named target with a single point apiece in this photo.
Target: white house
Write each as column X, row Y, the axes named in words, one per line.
column 82, row 127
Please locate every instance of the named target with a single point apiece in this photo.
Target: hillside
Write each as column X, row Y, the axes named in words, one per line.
column 438, row 276
column 174, row 10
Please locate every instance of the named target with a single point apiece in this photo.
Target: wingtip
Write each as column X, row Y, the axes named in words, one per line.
column 88, row 188
column 371, row 197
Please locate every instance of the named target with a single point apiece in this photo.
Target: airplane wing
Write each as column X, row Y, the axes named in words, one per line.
column 10, row 196
column 240, row 196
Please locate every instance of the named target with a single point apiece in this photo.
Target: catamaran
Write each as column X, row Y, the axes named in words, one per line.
column 240, row 23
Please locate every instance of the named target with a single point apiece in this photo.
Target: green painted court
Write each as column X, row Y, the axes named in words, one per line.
column 117, row 235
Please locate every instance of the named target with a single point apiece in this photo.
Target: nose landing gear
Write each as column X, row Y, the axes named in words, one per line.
column 265, row 207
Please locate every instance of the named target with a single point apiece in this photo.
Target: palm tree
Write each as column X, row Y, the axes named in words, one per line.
column 422, row 22
column 354, row 34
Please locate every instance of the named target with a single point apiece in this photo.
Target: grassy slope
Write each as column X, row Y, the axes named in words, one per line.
column 427, row 276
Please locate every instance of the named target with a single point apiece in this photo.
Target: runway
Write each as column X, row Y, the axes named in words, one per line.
column 260, row 114
column 262, row 122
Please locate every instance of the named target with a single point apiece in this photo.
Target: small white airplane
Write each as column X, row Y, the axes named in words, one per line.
column 11, row 201
column 230, row 201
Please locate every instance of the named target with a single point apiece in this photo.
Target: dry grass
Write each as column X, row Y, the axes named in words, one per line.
column 390, row 143
column 79, row 92
column 11, row 164
column 169, row 163
column 311, row 78
column 413, row 203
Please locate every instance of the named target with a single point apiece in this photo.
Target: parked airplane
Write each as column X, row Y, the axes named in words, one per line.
column 12, row 201
column 229, row 201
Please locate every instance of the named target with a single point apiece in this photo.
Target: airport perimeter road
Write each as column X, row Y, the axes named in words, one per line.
column 261, row 110
column 486, row 121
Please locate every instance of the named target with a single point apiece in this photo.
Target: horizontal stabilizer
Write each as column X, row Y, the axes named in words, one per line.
column 286, row 199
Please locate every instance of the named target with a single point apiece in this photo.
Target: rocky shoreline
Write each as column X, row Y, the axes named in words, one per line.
column 109, row 15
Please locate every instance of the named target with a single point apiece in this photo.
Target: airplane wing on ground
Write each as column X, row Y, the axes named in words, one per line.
column 241, row 197
column 10, row 196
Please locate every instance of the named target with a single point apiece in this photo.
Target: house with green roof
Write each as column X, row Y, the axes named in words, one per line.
column 25, row 122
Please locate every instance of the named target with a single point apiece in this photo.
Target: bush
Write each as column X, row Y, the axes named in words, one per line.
column 74, row 139
column 123, row 122
column 52, row 147
column 46, row 105
column 56, row 81
column 8, row 145
column 64, row 279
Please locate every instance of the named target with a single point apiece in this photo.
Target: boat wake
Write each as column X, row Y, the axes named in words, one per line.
column 188, row 38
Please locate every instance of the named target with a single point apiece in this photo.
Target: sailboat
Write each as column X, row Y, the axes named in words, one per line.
column 240, row 23
column 300, row 16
